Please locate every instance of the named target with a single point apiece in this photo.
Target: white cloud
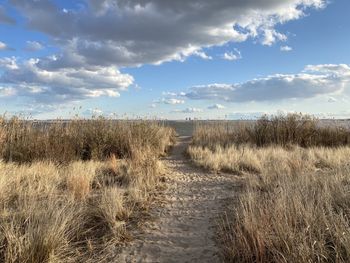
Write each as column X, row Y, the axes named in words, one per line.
column 189, row 110
column 313, row 81
column 236, row 55
column 271, row 36
column 68, row 84
column 202, row 55
column 93, row 112
column 136, row 32
column 168, row 93
column 8, row 63
column 171, row 101
column 4, row 46
column 102, row 36
column 33, row 46
column 246, row 115
column 216, row 107
column 6, row 92
column 286, row 48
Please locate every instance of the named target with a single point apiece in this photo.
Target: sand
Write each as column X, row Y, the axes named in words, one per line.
column 185, row 225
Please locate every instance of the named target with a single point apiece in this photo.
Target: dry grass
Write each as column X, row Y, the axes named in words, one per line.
column 294, row 203
column 283, row 130
column 80, row 139
column 60, row 208
column 294, row 216
column 271, row 159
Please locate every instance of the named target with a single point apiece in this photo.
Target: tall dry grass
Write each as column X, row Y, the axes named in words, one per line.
column 249, row 159
column 68, row 191
column 79, row 139
column 292, row 211
column 294, row 202
column 283, row 130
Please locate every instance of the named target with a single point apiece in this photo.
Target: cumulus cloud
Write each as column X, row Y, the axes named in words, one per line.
column 170, row 101
column 102, row 36
column 173, row 101
column 216, row 107
column 188, row 110
column 134, row 32
column 33, row 46
column 236, row 55
column 202, row 55
column 313, row 81
column 68, row 84
column 270, row 36
column 4, row 46
column 168, row 93
column 8, row 63
column 4, row 18
column 93, row 112
column 286, row 48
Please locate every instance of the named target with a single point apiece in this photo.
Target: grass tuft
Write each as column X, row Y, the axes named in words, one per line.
column 294, row 203
column 68, row 190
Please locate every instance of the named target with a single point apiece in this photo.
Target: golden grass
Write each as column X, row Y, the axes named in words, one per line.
column 80, row 139
column 294, row 203
column 283, row 130
column 290, row 218
column 272, row 159
column 56, row 207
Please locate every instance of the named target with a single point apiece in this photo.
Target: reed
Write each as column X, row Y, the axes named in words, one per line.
column 283, row 130
column 293, row 205
column 70, row 190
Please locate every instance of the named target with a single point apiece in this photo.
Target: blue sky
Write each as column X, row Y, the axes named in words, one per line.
column 162, row 59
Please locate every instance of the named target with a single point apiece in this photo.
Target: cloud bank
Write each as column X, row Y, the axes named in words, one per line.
column 28, row 80
column 313, row 81
column 134, row 32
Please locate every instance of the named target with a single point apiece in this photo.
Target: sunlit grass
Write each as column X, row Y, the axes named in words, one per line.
column 294, row 202
column 69, row 190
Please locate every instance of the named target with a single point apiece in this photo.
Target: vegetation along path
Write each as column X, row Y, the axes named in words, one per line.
column 184, row 228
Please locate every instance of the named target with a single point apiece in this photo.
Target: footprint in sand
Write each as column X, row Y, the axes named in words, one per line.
column 184, row 230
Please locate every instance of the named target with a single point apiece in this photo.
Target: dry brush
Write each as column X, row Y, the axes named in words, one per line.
column 70, row 190
column 294, row 202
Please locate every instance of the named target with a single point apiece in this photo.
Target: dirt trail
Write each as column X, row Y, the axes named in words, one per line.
column 184, row 226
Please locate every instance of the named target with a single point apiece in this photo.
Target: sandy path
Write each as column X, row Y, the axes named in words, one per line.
column 184, row 226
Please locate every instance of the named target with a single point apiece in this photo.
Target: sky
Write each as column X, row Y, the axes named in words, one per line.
column 165, row 59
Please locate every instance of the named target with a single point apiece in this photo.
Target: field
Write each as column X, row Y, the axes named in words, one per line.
column 69, row 190
column 99, row 190
column 293, row 205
